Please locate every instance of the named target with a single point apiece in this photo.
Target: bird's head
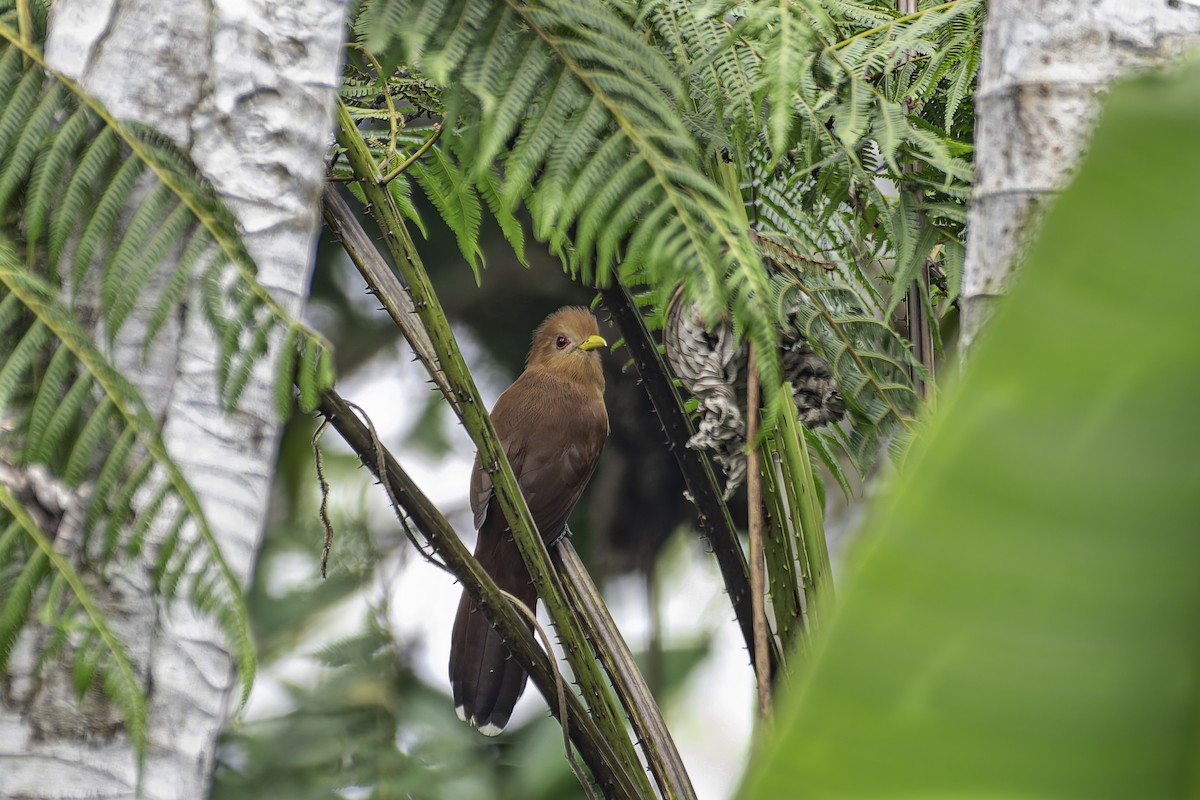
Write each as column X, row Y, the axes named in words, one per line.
column 568, row 342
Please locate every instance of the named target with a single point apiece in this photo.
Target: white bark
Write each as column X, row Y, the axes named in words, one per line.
column 248, row 89
column 1045, row 66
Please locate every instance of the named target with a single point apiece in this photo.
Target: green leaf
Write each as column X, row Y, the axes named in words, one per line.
column 121, row 681
column 452, row 192
column 890, row 127
column 488, row 185
column 285, row 372
column 18, row 362
column 1021, row 620
column 306, row 377
column 18, row 599
column 852, row 116
column 49, row 397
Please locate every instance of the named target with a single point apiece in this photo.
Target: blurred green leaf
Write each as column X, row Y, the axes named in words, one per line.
column 1024, row 617
column 428, row 434
column 679, row 662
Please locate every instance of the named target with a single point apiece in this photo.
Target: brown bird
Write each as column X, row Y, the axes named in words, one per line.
column 552, row 424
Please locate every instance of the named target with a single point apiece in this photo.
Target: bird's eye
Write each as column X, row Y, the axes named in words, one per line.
column 561, row 342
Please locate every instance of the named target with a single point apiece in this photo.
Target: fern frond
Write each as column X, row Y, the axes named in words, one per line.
column 455, row 198
column 29, row 141
column 489, row 188
column 81, row 184
column 614, row 124
column 869, row 361
column 46, row 177
column 114, row 487
column 20, row 591
column 121, row 682
column 19, row 361
column 55, row 408
column 118, row 197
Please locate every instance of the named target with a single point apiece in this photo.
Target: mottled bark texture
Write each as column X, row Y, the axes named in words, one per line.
column 1046, row 64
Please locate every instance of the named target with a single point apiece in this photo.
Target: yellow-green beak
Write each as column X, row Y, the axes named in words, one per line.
column 592, row 343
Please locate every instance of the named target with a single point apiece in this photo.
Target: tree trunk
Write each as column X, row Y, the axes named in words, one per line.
column 1045, row 66
column 247, row 89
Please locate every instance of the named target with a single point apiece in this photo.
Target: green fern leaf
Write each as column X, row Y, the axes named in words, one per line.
column 306, row 379
column 86, row 665
column 35, row 296
column 10, row 539
column 68, row 211
column 15, row 165
column 198, row 248
column 285, row 373
column 109, row 477
column 49, row 394
column 18, row 599
column 11, row 67
column 401, row 191
column 16, row 112
column 135, row 239
column 852, row 116
column 119, row 512
column 48, row 174
column 20, row 360
column 890, row 130
column 121, row 681
column 100, row 228
column 454, row 196
column 96, row 432
column 488, row 185
column 148, row 515
column 252, row 355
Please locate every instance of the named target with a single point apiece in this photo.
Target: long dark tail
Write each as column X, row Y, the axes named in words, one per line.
column 485, row 678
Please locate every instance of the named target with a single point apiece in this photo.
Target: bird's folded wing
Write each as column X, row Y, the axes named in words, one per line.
column 553, row 456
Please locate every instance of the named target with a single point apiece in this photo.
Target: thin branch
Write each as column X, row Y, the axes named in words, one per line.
column 323, row 485
column 408, row 162
column 754, row 501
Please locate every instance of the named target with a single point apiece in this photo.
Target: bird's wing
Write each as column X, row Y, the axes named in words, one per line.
column 553, row 435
